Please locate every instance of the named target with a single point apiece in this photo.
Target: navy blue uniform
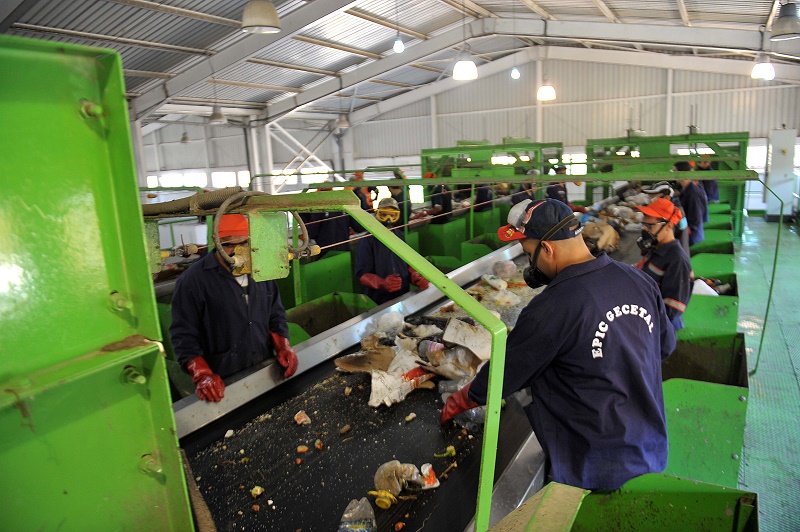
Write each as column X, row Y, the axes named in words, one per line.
column 372, row 256
column 710, row 186
column 211, row 318
column 405, row 206
column 365, row 195
column 328, row 228
column 483, row 198
column 442, row 196
column 669, row 266
column 557, row 191
column 695, row 206
column 525, row 191
column 590, row 348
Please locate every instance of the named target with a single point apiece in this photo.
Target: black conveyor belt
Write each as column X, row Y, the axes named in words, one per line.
column 313, row 495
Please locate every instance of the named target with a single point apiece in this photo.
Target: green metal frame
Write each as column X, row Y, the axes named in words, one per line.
column 87, row 435
column 471, row 160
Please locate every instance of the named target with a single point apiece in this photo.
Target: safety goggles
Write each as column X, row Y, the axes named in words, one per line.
column 653, row 225
column 387, row 215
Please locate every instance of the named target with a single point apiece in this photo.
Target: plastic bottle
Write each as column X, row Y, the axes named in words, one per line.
column 472, row 419
column 358, row 516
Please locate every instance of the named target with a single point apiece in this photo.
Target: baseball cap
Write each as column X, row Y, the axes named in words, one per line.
column 662, row 187
column 388, row 203
column 663, row 209
column 533, row 219
column 233, row 228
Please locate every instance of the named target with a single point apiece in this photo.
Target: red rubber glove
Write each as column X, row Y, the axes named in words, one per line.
column 392, row 283
column 285, row 354
column 209, row 385
column 457, row 403
column 417, row 279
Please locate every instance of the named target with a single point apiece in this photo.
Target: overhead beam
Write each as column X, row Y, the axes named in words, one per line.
column 388, row 24
column 179, row 11
column 316, row 12
column 469, row 8
column 776, row 6
column 393, row 83
column 684, row 12
column 358, row 97
column 539, row 10
column 288, row 66
column 337, row 46
column 429, row 68
column 110, row 38
column 252, row 85
column 147, row 74
column 606, row 11
column 162, row 122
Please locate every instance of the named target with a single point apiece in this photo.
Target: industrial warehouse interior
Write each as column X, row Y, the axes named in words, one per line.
column 389, row 158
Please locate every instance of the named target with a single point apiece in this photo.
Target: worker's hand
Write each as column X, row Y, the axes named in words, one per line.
column 209, row 385
column 457, row 403
column 392, row 283
column 417, row 279
column 285, row 354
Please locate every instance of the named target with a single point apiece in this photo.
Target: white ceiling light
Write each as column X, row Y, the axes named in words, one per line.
column 217, row 118
column 787, row 26
column 546, row 92
column 465, row 68
column 763, row 69
column 260, row 16
column 342, row 123
column 515, row 73
column 398, row 45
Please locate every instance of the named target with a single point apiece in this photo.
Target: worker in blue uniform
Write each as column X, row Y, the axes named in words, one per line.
column 330, row 230
column 709, row 185
column 400, row 196
column 665, row 260
column 441, row 201
column 590, row 348
column 664, row 189
column 483, row 198
column 223, row 321
column 382, row 274
column 557, row 190
column 694, row 203
column 365, row 194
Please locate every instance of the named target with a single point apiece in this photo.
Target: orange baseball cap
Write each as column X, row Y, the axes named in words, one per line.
column 663, row 209
column 233, row 225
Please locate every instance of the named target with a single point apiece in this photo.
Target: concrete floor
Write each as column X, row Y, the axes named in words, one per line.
column 771, row 464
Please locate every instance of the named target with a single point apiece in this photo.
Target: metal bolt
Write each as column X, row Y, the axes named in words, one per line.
column 735, row 456
column 742, row 398
column 150, row 465
column 91, row 109
column 131, row 375
column 119, row 302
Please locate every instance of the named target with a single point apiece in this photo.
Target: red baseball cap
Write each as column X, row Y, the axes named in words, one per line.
column 534, row 219
column 663, row 209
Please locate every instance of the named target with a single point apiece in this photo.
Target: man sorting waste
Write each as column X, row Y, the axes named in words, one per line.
column 590, row 348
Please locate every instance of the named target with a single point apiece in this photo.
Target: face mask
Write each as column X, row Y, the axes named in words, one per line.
column 533, row 276
column 647, row 241
column 241, row 260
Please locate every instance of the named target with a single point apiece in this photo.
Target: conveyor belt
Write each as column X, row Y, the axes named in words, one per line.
column 313, row 494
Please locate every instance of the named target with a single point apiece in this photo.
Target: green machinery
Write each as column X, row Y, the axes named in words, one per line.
column 473, row 159
column 87, row 438
column 728, row 152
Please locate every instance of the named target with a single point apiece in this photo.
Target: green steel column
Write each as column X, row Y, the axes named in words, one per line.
column 472, row 213
column 493, row 324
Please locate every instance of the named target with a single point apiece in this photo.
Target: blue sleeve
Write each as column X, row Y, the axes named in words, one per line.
column 528, row 352
column 676, row 288
column 187, row 310
column 668, row 335
column 277, row 317
column 437, row 199
column 365, row 262
column 693, row 205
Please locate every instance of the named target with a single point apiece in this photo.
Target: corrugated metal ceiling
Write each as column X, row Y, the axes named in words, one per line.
column 146, row 21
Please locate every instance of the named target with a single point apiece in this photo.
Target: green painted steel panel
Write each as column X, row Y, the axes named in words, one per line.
column 85, row 443
column 328, row 311
column 708, row 355
column 661, row 502
column 719, row 208
column 268, row 249
column 713, row 265
column 297, row 334
column 445, row 263
column 705, row 423
column 718, row 221
column 443, row 239
column 715, row 241
column 331, row 273
column 712, row 312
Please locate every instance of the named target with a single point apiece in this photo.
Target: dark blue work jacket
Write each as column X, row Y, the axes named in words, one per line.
column 328, row 228
column 210, row 318
column 711, row 186
column 442, row 196
column 669, row 266
column 524, row 192
column 483, row 198
column 590, row 348
column 372, row 256
column 557, row 191
column 695, row 206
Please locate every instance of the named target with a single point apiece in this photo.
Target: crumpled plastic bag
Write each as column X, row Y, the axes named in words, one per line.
column 426, row 331
column 394, row 477
column 358, row 517
column 504, row 269
column 504, row 298
column 458, row 363
column 495, row 282
column 403, row 375
column 390, row 323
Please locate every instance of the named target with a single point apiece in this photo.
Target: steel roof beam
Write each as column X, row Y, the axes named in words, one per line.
column 147, row 74
column 606, row 11
column 179, row 11
column 776, row 5
column 337, row 46
column 291, row 24
column 288, row 66
column 469, row 8
column 13, row 10
column 387, row 24
column 684, row 13
column 539, row 10
column 252, row 85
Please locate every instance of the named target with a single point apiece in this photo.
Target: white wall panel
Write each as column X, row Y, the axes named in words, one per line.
column 577, row 81
column 756, row 110
column 492, row 92
column 416, row 109
column 391, row 138
column 228, row 151
column 180, row 156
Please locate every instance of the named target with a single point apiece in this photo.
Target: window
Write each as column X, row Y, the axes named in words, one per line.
column 152, row 181
column 171, row 180
column 577, row 163
column 223, row 179
column 243, row 177
column 195, row 179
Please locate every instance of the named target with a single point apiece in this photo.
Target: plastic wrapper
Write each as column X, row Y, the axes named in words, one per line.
column 390, row 323
column 504, row 269
column 494, row 281
column 505, row 298
column 394, row 477
column 358, row 517
column 458, row 363
column 388, row 389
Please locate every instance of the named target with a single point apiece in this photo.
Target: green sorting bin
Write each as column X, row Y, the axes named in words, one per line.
column 328, row 311
column 87, row 435
column 715, row 241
